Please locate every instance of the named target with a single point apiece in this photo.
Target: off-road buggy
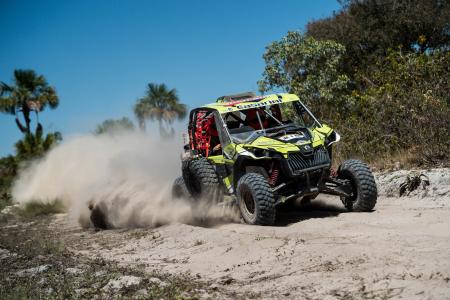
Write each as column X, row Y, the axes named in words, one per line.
column 263, row 151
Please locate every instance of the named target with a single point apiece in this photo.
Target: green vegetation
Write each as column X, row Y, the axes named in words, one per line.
column 39, row 208
column 369, row 28
column 378, row 72
column 308, row 68
column 8, row 171
column 162, row 105
column 112, row 126
column 35, row 145
column 29, row 92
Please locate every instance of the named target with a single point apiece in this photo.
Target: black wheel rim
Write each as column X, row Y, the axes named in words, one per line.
column 354, row 194
column 349, row 201
column 248, row 202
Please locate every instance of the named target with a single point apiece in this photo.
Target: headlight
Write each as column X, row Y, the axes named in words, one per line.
column 260, row 152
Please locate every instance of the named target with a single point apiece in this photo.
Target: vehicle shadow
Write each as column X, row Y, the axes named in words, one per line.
column 295, row 212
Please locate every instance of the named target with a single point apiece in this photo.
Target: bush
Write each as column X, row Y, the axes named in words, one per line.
column 8, row 170
column 38, row 208
column 405, row 108
column 402, row 107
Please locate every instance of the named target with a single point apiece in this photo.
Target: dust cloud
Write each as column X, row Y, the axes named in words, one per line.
column 127, row 175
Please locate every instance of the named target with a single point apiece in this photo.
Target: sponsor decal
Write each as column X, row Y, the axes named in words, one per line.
column 254, row 105
column 289, row 137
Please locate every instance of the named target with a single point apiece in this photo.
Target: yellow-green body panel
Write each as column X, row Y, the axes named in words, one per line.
column 319, row 134
column 271, row 144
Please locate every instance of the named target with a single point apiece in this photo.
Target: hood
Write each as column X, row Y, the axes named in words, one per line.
column 292, row 142
column 282, row 146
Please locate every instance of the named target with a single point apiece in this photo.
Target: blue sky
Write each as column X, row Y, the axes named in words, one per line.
column 101, row 54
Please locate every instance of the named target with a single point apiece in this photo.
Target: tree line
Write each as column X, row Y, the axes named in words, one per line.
column 29, row 94
column 379, row 72
column 159, row 104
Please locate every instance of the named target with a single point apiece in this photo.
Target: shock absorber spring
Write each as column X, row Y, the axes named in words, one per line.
column 274, row 176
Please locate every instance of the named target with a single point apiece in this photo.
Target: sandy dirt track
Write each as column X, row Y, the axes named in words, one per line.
column 399, row 251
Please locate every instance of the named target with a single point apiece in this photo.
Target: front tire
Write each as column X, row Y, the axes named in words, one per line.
column 364, row 195
column 256, row 200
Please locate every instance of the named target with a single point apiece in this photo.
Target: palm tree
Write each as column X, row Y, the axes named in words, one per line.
column 29, row 92
column 141, row 109
column 113, row 126
column 160, row 104
column 36, row 145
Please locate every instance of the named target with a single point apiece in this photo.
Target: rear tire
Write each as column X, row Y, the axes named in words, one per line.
column 179, row 189
column 256, row 200
column 201, row 180
column 365, row 193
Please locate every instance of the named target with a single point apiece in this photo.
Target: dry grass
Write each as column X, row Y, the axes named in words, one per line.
column 38, row 265
column 404, row 159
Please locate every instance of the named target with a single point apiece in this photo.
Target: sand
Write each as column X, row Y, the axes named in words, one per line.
column 401, row 250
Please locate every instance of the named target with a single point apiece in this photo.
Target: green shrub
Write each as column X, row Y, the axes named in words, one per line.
column 39, row 208
column 8, row 170
column 402, row 105
column 405, row 108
